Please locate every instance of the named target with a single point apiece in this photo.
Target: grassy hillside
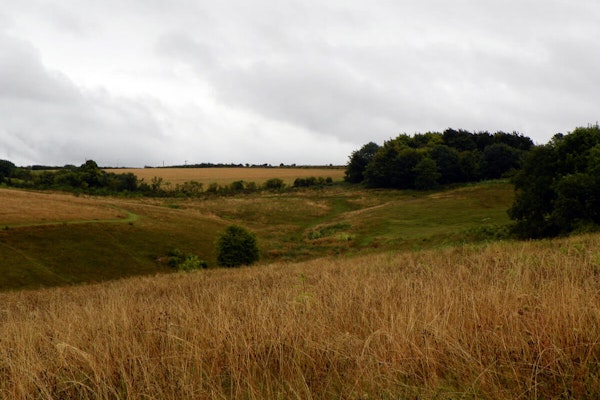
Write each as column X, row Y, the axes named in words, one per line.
column 494, row 321
column 53, row 239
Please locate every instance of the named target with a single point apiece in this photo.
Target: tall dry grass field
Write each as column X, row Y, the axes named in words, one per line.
column 505, row 321
column 224, row 176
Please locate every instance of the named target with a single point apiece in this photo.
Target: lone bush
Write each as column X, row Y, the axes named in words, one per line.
column 236, row 246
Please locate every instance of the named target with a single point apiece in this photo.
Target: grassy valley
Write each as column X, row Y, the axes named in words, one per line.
column 359, row 294
column 54, row 239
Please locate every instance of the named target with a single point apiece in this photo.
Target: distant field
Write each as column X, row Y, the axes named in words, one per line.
column 225, row 176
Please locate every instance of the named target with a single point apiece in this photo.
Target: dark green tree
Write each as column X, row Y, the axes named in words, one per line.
column 91, row 174
column 426, row 174
column 447, row 160
column 470, row 164
column 514, row 140
column 461, row 140
column 358, row 162
column 392, row 166
column 6, row 169
column 236, row 246
column 558, row 188
column 379, row 171
column 500, row 158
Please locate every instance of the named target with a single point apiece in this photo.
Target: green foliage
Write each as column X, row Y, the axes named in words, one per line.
column 358, row 162
column 460, row 156
column 6, row 169
column 274, row 184
column 558, row 189
column 500, row 158
column 192, row 263
column 184, row 262
column 426, row 174
column 461, row 140
column 236, row 186
column 327, row 230
column 312, row 181
column 447, row 160
column 236, row 246
column 189, row 188
column 393, row 166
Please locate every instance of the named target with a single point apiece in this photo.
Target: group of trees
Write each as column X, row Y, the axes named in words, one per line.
column 558, row 187
column 424, row 161
column 557, row 184
column 87, row 178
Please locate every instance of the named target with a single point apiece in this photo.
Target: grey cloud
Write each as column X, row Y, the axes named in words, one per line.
column 478, row 66
column 342, row 72
column 45, row 118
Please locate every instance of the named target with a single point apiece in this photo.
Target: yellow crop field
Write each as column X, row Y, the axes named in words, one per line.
column 496, row 321
column 225, row 176
column 26, row 207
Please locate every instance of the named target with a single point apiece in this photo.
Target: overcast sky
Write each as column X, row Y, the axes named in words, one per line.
column 142, row 82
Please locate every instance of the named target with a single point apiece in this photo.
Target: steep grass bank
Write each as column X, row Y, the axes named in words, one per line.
column 500, row 321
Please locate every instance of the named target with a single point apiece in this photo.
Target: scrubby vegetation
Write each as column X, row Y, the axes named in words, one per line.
column 184, row 262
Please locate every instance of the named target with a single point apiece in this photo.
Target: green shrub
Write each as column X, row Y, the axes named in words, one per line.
column 274, row 184
column 191, row 263
column 184, row 262
column 236, row 246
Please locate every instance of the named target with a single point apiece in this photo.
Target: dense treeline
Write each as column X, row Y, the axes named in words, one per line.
column 558, row 188
column 424, row 161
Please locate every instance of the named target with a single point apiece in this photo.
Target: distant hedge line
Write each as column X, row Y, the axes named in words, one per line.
column 90, row 179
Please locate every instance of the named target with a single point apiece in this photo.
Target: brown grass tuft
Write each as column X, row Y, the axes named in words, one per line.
column 502, row 321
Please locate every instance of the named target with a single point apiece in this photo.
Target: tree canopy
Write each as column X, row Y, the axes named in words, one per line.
column 425, row 160
column 236, row 246
column 558, row 188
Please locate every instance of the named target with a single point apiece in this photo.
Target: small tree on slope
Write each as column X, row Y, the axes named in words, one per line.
column 236, row 246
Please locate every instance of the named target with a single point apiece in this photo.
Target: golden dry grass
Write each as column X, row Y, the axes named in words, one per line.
column 505, row 321
column 224, row 176
column 26, row 207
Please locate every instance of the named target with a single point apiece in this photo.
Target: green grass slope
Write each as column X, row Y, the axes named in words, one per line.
column 290, row 226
